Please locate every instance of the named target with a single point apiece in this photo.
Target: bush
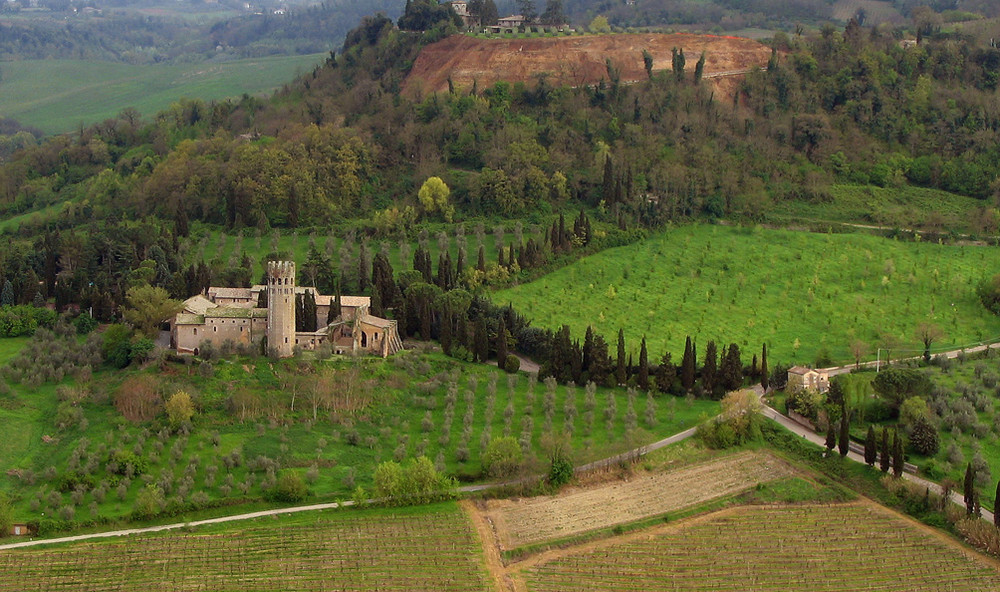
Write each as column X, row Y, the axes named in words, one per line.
column 924, row 437
column 290, row 488
column 560, row 472
column 502, row 457
column 180, row 408
column 85, row 324
column 511, row 364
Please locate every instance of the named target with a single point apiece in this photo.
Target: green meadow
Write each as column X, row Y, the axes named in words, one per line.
column 57, row 96
column 806, row 295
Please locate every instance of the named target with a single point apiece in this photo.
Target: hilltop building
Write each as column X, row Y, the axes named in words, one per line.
column 249, row 315
column 461, row 8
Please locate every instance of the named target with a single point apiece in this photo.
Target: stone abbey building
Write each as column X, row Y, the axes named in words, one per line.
column 232, row 314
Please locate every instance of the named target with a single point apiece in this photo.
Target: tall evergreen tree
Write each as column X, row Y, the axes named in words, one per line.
column 897, row 455
column 710, row 369
column 643, row 377
column 588, row 350
column 384, row 283
column 363, row 269
column 845, row 431
column 764, row 377
column 831, row 437
column 996, row 510
column 334, row 311
column 481, row 341
column 687, row 366
column 608, row 182
column 481, row 263
column 666, row 373
column 885, row 455
column 7, row 295
column 969, row 489
column 501, row 345
column 620, row 373
column 699, row 69
column 732, row 368
column 871, row 447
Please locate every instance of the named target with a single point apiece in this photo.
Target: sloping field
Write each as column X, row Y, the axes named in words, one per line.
column 427, row 548
column 542, row 518
column 572, row 61
column 800, row 292
column 57, row 96
column 781, row 549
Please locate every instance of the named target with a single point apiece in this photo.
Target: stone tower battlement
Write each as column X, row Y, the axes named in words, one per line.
column 281, row 306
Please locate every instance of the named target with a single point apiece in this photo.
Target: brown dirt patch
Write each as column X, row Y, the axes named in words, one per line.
column 572, row 61
column 580, row 510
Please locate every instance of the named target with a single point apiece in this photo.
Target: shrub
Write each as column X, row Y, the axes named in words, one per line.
column 290, row 488
column 180, row 408
column 85, row 324
column 924, row 437
column 512, row 363
column 149, row 503
column 502, row 457
column 137, row 398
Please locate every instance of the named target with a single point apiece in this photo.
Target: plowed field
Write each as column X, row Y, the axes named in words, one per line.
column 573, row 61
column 545, row 518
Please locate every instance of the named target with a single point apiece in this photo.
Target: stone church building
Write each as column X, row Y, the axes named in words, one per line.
column 232, row 314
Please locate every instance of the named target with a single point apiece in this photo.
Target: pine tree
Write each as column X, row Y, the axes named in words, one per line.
column 885, row 457
column 620, row 374
column 871, row 447
column 764, row 378
column 643, row 366
column 687, row 366
column 709, row 369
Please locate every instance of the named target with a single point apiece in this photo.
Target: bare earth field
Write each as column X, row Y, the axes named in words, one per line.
column 544, row 518
column 814, row 548
column 572, row 61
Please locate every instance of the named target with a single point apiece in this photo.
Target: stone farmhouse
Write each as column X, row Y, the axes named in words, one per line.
column 801, row 378
column 233, row 314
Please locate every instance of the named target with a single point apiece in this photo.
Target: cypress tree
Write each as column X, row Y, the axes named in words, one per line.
column 643, row 366
column 996, row 510
column 871, row 447
column 7, row 294
column 687, row 366
column 334, row 311
column 897, row 455
column 732, row 369
column 845, row 431
column 446, row 337
column 969, row 488
column 666, row 373
column 608, row 182
column 620, row 374
column 709, row 369
column 481, row 263
column 481, row 342
column 363, row 269
column 884, row 458
column 459, row 266
column 501, row 342
column 764, row 378
column 588, row 350
column 831, row 437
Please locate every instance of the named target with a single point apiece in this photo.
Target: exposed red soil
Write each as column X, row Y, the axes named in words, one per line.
column 572, row 61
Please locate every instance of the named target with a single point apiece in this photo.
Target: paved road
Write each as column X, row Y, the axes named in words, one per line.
column 815, row 438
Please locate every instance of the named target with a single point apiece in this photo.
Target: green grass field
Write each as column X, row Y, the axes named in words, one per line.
column 422, row 548
column 798, row 292
column 389, row 410
column 811, row 548
column 57, row 96
column 905, row 207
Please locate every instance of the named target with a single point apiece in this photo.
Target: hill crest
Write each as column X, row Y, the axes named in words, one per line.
column 573, row 61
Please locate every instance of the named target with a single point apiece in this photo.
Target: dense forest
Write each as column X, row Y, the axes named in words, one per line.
column 343, row 146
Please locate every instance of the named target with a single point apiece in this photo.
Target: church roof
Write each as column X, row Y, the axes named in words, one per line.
column 189, row 319
column 351, row 301
column 230, row 292
column 198, row 305
column 233, row 312
column 376, row 322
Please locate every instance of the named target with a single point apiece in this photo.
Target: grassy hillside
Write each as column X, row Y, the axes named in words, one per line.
column 799, row 292
column 261, row 413
column 56, row 96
